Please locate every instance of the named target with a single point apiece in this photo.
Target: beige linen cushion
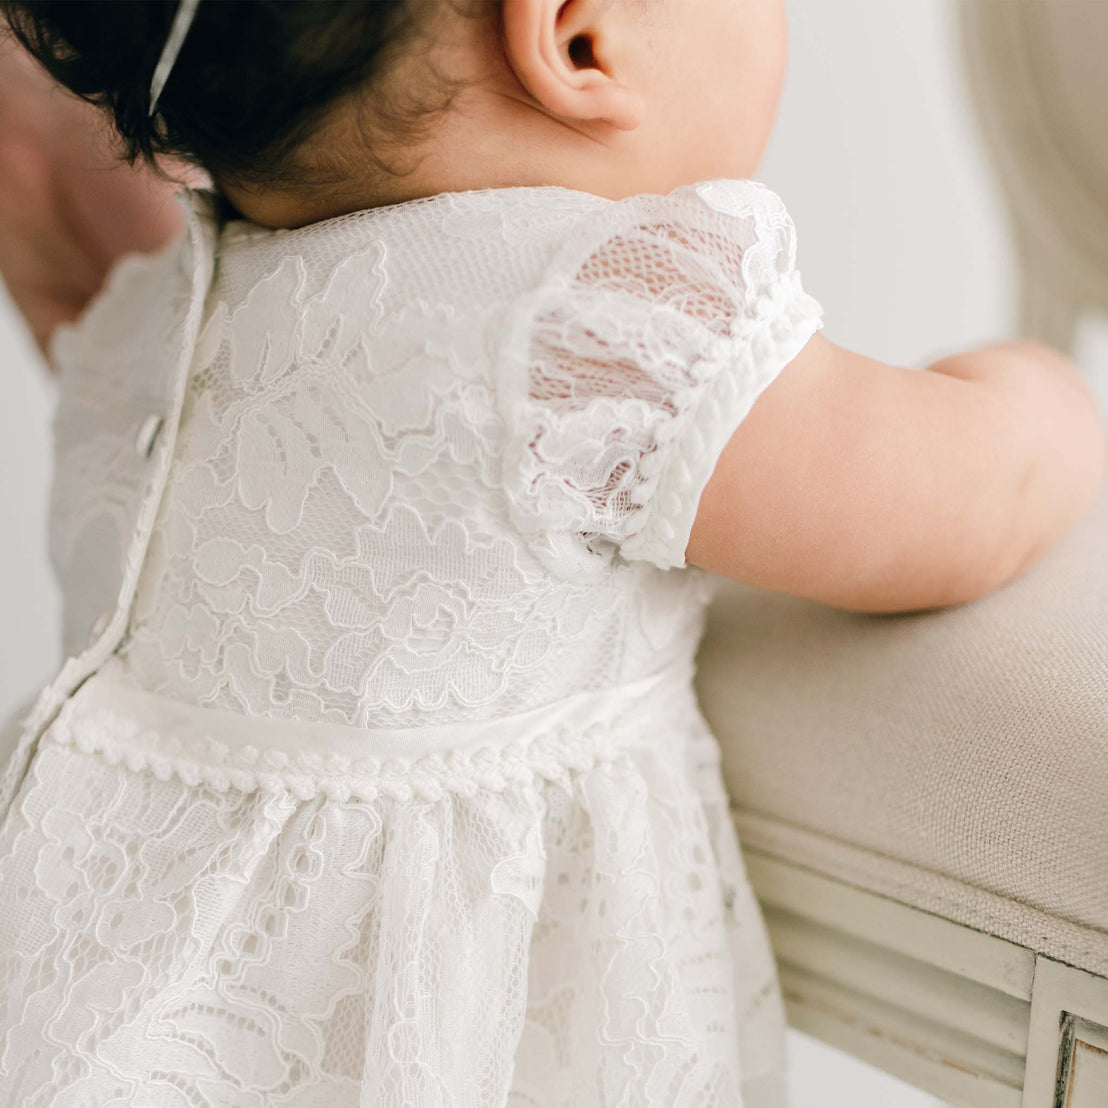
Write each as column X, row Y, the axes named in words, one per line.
column 955, row 760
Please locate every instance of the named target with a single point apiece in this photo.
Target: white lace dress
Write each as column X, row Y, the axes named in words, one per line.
column 383, row 781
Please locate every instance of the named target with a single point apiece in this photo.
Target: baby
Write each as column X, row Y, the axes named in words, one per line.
column 956, row 479
column 380, row 778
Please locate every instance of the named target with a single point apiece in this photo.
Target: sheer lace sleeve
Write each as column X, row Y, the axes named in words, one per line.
column 646, row 343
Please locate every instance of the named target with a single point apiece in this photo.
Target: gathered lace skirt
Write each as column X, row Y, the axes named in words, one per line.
column 199, row 908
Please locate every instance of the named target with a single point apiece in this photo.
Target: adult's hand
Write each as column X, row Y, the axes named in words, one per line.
column 69, row 206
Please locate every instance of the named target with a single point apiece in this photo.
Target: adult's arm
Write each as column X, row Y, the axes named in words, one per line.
column 69, row 207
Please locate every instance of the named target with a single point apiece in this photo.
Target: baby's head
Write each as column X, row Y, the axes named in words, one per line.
column 305, row 109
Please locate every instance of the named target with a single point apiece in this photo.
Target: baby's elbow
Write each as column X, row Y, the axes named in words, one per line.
column 909, row 593
column 1057, row 493
column 1064, row 447
column 943, row 570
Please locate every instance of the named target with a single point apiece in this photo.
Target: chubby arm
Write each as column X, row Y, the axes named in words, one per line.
column 875, row 488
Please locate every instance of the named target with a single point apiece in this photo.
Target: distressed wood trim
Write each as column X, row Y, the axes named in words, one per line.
column 925, row 1055
column 986, row 959
column 941, row 1006
column 1068, row 1007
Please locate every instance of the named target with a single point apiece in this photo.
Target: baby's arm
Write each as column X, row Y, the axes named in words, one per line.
column 877, row 488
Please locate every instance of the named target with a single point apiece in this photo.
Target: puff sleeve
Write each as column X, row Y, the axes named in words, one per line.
column 659, row 322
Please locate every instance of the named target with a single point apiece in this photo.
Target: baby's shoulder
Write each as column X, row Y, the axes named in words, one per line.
column 654, row 279
column 727, row 206
column 657, row 322
column 709, row 253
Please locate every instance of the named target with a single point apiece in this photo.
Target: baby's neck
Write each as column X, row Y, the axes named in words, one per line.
column 494, row 135
column 496, row 143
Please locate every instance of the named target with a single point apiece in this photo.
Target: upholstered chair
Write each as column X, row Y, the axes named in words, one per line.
column 923, row 798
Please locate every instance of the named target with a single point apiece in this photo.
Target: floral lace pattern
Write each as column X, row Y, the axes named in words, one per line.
column 662, row 322
column 436, row 466
column 569, row 941
column 335, row 542
column 341, row 534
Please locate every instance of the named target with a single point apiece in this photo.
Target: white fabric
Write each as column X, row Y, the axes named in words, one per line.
column 425, row 484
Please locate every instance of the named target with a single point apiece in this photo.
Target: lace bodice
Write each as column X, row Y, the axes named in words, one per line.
column 375, row 773
column 440, row 461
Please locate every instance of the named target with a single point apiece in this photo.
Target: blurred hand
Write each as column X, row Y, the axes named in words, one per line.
column 69, row 207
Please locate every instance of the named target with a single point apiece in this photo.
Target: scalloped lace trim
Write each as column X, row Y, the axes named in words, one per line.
column 549, row 755
column 674, row 481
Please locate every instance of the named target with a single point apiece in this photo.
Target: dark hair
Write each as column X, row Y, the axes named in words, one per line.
column 253, row 80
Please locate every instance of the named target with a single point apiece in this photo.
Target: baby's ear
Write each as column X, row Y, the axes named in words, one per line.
column 566, row 53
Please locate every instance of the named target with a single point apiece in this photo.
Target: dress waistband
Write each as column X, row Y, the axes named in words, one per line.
column 230, row 750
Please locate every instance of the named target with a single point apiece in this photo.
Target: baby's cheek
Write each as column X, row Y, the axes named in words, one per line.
column 734, row 65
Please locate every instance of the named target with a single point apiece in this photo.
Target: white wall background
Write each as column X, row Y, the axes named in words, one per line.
column 901, row 238
column 876, row 154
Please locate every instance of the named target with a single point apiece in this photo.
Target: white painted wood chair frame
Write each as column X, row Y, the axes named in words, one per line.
column 1058, row 198
column 974, row 1019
